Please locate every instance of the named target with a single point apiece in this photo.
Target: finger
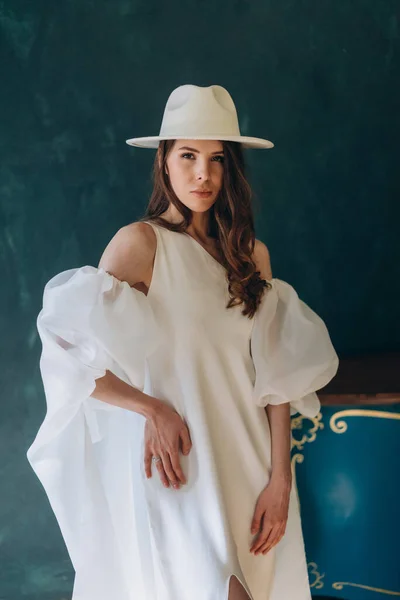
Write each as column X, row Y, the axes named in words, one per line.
column 256, row 524
column 147, row 464
column 262, row 537
column 279, row 536
column 262, row 540
column 176, row 465
column 168, row 469
column 162, row 474
column 273, row 539
column 186, row 441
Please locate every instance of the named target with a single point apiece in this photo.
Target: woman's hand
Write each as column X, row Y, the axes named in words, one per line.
column 271, row 514
column 164, row 435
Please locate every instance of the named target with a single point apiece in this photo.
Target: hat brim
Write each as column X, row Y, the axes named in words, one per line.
column 247, row 142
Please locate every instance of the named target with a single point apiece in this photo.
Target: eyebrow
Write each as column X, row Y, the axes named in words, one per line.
column 194, row 150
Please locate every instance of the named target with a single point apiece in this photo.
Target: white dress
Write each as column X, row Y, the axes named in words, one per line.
column 129, row 537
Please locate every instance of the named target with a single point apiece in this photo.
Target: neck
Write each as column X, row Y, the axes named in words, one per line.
column 198, row 227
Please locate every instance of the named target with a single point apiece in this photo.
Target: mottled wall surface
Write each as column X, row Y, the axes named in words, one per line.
column 320, row 79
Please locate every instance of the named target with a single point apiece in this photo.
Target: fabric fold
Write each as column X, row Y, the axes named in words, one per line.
column 90, row 322
column 292, row 351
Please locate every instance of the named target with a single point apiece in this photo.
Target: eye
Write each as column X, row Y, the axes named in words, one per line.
column 221, row 158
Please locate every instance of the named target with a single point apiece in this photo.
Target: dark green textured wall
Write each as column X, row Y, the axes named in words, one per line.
column 320, row 79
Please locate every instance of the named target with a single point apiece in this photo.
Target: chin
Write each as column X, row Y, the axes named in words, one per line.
column 199, row 205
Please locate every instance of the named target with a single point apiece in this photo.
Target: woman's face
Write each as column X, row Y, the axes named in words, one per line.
column 196, row 165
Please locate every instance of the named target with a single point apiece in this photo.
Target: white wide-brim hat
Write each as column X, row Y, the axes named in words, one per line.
column 200, row 113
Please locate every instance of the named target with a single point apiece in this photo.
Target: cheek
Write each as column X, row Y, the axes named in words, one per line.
column 180, row 177
column 181, row 170
column 218, row 177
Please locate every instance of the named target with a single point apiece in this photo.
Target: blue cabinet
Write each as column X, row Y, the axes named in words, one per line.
column 346, row 467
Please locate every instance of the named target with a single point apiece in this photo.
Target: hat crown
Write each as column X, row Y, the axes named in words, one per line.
column 193, row 110
column 201, row 113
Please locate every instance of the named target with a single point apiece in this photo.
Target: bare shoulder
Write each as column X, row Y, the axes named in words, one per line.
column 129, row 255
column 262, row 259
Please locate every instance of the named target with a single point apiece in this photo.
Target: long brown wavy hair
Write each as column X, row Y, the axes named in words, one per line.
column 231, row 222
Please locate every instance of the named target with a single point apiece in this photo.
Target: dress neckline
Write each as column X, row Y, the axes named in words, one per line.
column 220, row 265
column 195, row 242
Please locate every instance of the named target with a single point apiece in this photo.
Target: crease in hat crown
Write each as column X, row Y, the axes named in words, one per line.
column 197, row 112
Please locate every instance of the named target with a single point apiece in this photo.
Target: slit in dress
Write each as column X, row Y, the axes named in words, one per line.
column 245, row 587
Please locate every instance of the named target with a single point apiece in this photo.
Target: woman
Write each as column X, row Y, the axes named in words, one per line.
column 171, row 371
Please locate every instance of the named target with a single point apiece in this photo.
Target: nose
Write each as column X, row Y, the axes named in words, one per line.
column 203, row 171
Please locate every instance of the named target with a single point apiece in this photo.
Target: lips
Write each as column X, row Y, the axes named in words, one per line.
column 201, row 193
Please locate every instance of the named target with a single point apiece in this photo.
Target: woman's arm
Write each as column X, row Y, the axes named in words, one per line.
column 113, row 390
column 272, row 506
column 278, row 416
column 129, row 257
column 279, row 420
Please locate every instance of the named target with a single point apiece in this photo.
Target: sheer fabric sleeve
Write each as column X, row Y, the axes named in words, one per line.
column 90, row 322
column 292, row 351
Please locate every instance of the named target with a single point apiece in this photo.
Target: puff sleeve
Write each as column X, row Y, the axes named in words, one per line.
column 90, row 322
column 292, row 352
